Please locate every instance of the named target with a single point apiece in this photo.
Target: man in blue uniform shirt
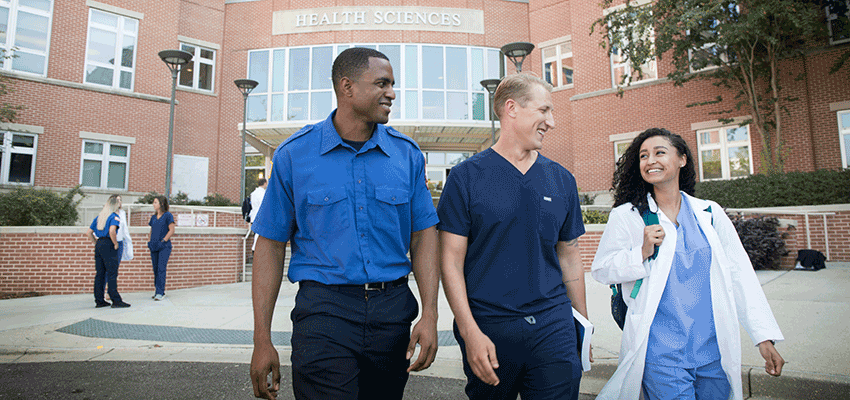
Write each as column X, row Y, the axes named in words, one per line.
column 349, row 195
column 509, row 224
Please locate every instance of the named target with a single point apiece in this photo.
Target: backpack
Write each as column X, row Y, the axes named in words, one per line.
column 246, row 209
column 618, row 305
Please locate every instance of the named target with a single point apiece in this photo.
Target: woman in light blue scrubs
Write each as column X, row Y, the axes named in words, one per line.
column 677, row 265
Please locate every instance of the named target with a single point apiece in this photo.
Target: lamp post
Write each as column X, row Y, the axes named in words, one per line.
column 491, row 85
column 516, row 52
column 175, row 60
column 245, row 86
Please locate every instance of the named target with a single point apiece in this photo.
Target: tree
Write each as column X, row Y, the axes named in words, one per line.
column 8, row 111
column 735, row 45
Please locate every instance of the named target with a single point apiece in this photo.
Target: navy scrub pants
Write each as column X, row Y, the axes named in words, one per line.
column 349, row 343
column 106, row 260
column 538, row 357
column 159, row 259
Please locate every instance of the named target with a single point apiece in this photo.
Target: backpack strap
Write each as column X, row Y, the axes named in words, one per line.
column 649, row 218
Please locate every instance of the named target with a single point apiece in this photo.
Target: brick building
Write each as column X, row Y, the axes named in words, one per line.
column 92, row 120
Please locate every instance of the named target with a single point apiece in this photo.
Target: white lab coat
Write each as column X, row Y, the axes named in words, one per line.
column 736, row 294
column 256, row 200
column 123, row 235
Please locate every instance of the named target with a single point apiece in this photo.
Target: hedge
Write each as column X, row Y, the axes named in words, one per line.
column 778, row 190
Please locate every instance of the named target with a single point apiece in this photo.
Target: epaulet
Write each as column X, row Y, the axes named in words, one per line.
column 393, row 132
column 301, row 132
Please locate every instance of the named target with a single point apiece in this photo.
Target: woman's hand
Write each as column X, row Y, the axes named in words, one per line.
column 773, row 362
column 653, row 235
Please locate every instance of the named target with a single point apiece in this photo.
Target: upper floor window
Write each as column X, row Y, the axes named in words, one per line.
column 25, row 34
column 17, row 157
column 838, row 21
column 111, row 50
column 724, row 152
column 433, row 82
column 844, row 135
column 558, row 63
column 201, row 72
column 104, row 165
column 622, row 70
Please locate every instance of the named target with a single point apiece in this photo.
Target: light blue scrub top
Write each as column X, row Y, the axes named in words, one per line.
column 682, row 333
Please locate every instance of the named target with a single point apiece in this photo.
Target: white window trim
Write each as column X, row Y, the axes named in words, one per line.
column 197, row 60
column 117, row 67
column 102, row 137
column 104, row 159
column 6, row 145
column 12, row 31
column 843, row 135
column 723, row 146
column 830, row 17
column 115, row 10
column 620, row 138
column 558, row 60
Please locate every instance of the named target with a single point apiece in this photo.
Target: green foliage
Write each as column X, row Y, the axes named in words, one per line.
column 147, row 199
column 791, row 189
column 736, row 46
column 594, row 217
column 216, row 199
column 8, row 111
column 182, row 199
column 761, row 238
column 27, row 206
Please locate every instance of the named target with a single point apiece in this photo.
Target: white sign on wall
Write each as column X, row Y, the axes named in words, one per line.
column 185, row 220
column 373, row 18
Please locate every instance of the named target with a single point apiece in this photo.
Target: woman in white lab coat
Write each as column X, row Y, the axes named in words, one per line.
column 681, row 337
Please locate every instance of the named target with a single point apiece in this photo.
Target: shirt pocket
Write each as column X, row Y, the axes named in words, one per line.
column 392, row 207
column 327, row 212
column 551, row 214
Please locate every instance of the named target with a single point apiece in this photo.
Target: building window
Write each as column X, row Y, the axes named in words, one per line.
column 433, row 82
column 200, row 73
column 622, row 71
column 255, row 168
column 724, row 152
column 620, row 148
column 838, row 21
column 17, row 157
column 111, row 50
column 25, row 34
column 558, row 64
column 104, row 165
column 844, row 134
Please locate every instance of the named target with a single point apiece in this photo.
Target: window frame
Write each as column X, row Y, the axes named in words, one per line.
column 723, row 145
column 831, row 17
column 558, row 60
column 10, row 48
column 6, row 148
column 117, row 68
column 843, row 137
column 197, row 60
column 105, row 158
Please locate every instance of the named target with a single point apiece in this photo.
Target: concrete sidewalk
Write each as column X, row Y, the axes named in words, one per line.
column 214, row 324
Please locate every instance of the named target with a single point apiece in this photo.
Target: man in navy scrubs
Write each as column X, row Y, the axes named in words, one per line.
column 509, row 224
column 349, row 194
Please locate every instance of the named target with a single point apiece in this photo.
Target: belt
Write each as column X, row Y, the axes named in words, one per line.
column 366, row 286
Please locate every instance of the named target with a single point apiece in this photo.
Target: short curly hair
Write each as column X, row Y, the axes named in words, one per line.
column 628, row 184
column 352, row 62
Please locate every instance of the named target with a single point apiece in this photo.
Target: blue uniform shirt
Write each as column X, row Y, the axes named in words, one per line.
column 682, row 333
column 512, row 222
column 159, row 226
column 112, row 220
column 348, row 213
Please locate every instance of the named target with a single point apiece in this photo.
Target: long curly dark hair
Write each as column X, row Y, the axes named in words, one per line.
column 628, row 185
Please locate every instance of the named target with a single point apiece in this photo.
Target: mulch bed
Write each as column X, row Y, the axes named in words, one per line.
column 18, row 295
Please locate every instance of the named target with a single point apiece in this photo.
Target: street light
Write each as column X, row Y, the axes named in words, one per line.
column 245, row 86
column 516, row 52
column 491, row 85
column 175, row 60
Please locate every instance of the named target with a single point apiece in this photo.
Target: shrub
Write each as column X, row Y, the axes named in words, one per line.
column 27, row 206
column 594, row 217
column 761, row 238
column 182, row 199
column 791, row 189
column 216, row 199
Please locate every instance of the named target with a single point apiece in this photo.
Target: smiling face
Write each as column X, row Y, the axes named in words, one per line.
column 534, row 120
column 372, row 92
column 660, row 162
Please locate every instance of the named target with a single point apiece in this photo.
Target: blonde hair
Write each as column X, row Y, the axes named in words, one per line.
column 516, row 87
column 108, row 209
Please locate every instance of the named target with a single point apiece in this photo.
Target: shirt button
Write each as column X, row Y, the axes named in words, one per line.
column 359, row 180
column 326, row 199
column 393, row 198
column 362, row 235
column 361, row 207
column 368, row 262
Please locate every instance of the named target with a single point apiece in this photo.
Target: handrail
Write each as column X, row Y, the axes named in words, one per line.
column 87, row 215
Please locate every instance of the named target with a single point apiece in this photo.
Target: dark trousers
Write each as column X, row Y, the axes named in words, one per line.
column 349, row 343
column 159, row 259
column 538, row 357
column 106, row 260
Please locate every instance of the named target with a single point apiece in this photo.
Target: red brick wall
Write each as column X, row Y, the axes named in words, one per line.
column 63, row 263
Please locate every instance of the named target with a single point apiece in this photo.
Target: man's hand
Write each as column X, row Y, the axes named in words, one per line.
column 773, row 362
column 481, row 353
column 264, row 360
column 424, row 333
